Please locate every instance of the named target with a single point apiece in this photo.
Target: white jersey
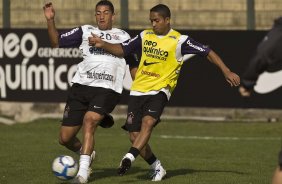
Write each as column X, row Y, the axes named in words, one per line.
column 98, row 68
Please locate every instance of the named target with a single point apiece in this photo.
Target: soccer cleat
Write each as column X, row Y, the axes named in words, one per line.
column 124, row 166
column 158, row 173
column 79, row 179
column 92, row 157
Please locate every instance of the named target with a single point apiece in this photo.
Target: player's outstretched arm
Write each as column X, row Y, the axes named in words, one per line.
column 97, row 42
column 49, row 13
column 232, row 78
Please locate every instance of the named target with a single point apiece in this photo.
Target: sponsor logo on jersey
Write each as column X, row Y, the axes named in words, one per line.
column 173, row 37
column 100, row 76
column 195, row 46
column 70, row 32
column 143, row 72
column 115, row 37
column 151, row 50
column 149, row 63
column 150, row 32
column 99, row 51
column 90, row 28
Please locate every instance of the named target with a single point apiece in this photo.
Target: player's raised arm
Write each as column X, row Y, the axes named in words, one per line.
column 232, row 78
column 114, row 49
column 49, row 13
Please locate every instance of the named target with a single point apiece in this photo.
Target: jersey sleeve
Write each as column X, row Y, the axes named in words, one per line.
column 133, row 45
column 71, row 38
column 189, row 46
column 132, row 60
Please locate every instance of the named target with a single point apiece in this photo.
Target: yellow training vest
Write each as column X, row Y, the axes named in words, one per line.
column 158, row 66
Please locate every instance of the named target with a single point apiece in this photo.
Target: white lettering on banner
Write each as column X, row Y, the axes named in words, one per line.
column 59, row 52
column 29, row 37
column 2, row 83
column 1, row 47
column 31, row 77
column 11, row 45
column 27, row 75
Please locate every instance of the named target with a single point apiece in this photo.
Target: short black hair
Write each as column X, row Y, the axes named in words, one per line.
column 106, row 3
column 162, row 9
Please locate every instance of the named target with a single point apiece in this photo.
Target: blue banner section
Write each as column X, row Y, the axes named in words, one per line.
column 32, row 71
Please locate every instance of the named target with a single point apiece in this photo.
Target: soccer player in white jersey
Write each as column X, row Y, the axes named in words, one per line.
column 97, row 83
column 162, row 50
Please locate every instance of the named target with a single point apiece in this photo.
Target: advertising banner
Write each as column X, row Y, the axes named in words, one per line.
column 32, row 71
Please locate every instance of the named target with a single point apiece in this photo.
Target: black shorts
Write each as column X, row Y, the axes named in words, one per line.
column 83, row 98
column 140, row 106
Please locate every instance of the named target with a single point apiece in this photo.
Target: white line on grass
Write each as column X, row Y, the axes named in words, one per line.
column 221, row 138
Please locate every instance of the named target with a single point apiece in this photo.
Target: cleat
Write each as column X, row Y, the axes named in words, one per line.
column 158, row 174
column 79, row 179
column 92, row 157
column 124, row 166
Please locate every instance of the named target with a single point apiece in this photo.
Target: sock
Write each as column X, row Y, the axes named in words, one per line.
column 129, row 156
column 134, row 151
column 151, row 160
column 84, row 163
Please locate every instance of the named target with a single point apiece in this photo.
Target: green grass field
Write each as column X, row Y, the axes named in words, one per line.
column 191, row 152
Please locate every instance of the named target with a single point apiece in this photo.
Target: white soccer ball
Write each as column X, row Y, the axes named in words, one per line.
column 64, row 167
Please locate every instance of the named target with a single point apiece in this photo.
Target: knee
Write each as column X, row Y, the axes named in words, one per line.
column 92, row 121
column 148, row 123
column 64, row 140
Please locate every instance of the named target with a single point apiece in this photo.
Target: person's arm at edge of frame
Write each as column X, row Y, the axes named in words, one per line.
column 232, row 78
column 49, row 13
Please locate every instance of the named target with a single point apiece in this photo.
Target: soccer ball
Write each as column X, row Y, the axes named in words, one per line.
column 64, row 167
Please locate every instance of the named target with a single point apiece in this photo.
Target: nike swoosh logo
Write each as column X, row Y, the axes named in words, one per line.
column 268, row 82
column 147, row 64
column 97, row 107
column 151, row 110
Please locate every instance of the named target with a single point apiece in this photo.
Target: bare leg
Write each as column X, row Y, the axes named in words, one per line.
column 140, row 145
column 90, row 124
column 146, row 152
column 277, row 176
column 68, row 137
column 142, row 139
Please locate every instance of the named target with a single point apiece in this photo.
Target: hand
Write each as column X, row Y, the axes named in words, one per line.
column 49, row 11
column 232, row 78
column 244, row 92
column 95, row 41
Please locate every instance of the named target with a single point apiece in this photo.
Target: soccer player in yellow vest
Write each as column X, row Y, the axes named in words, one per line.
column 161, row 50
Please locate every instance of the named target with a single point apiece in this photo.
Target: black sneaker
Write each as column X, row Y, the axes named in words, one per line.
column 124, row 166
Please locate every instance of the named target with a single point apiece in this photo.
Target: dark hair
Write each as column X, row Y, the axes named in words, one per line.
column 106, row 3
column 162, row 9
